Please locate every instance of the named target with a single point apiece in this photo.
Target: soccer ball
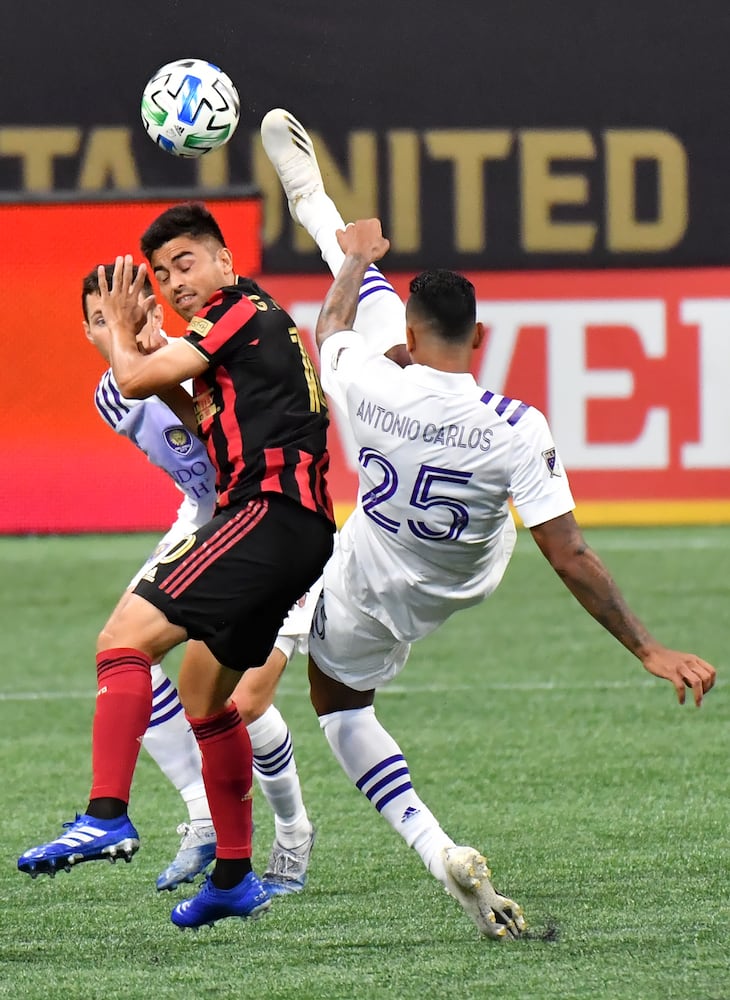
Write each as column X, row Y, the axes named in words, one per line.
column 190, row 107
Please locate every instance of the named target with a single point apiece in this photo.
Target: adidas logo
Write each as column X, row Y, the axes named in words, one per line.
column 410, row 812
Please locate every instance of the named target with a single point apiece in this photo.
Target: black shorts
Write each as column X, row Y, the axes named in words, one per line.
column 231, row 583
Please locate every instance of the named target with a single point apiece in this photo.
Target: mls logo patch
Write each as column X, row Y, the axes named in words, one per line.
column 551, row 460
column 179, row 439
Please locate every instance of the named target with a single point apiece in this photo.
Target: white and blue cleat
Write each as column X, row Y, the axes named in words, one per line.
column 286, row 871
column 196, row 852
column 87, row 839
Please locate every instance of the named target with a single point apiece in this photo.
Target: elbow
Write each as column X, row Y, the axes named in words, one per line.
column 132, row 387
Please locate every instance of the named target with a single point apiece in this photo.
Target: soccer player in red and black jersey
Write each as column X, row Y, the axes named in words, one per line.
column 227, row 588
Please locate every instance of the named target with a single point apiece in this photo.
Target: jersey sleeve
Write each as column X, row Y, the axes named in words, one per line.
column 152, row 427
column 224, row 318
column 539, row 484
column 341, row 359
column 111, row 405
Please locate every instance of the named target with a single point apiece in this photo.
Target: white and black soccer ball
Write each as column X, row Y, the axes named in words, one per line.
column 190, row 107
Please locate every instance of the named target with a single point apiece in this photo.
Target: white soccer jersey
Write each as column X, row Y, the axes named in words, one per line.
column 439, row 459
column 152, row 426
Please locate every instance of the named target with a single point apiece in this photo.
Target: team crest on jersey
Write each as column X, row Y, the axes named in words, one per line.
column 179, row 439
column 551, row 460
column 200, row 326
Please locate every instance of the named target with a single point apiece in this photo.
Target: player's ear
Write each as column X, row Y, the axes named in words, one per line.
column 478, row 336
column 410, row 339
column 226, row 259
column 158, row 315
column 87, row 331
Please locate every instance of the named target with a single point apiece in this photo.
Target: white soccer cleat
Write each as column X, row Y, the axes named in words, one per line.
column 291, row 152
column 467, row 880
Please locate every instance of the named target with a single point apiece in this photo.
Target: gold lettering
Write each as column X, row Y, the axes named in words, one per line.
column 37, row 148
column 469, row 150
column 108, row 161
column 541, row 190
column 404, row 229
column 213, row 169
column 624, row 149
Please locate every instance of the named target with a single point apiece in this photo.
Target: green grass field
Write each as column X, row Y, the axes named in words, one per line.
column 602, row 805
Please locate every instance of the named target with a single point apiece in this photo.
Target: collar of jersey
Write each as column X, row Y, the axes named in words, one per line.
column 456, row 382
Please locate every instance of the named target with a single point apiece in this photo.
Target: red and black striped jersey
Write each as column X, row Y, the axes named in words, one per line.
column 259, row 405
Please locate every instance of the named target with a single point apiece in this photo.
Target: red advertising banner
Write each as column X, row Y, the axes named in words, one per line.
column 64, row 470
column 631, row 368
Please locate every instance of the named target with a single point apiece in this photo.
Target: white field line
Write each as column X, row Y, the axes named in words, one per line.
column 438, row 689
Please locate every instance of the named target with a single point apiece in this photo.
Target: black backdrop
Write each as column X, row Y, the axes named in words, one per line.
column 584, row 77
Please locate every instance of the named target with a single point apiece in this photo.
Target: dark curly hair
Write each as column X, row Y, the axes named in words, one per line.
column 446, row 300
column 191, row 218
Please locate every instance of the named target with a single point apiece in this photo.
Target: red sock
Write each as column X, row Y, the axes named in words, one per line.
column 123, row 709
column 228, row 775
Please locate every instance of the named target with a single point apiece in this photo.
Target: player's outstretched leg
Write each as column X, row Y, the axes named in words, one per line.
column 380, row 312
column 86, row 839
column 247, row 899
column 375, row 764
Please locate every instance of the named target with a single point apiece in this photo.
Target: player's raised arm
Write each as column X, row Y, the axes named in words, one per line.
column 363, row 243
column 139, row 376
column 580, row 568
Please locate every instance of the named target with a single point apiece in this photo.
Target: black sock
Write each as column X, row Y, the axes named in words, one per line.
column 228, row 872
column 106, row 808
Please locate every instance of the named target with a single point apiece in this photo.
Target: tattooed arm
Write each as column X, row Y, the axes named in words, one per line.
column 584, row 574
column 363, row 243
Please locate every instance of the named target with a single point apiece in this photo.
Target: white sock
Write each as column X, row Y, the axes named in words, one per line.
column 381, row 315
column 276, row 772
column 375, row 764
column 170, row 742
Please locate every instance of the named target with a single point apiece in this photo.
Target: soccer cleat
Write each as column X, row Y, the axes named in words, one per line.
column 87, row 839
column 467, row 880
column 291, row 152
column 197, row 850
column 287, row 868
column 247, row 899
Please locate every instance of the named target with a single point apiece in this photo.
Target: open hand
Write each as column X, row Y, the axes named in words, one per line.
column 123, row 305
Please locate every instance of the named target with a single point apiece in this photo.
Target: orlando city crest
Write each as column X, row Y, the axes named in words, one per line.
column 179, row 439
column 551, row 460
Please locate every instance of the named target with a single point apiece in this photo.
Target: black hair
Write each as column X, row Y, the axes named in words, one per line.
column 90, row 284
column 446, row 300
column 191, row 218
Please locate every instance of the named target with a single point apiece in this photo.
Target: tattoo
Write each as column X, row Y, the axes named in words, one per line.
column 591, row 583
column 340, row 306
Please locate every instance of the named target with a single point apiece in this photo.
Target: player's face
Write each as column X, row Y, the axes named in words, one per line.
column 189, row 270
column 97, row 331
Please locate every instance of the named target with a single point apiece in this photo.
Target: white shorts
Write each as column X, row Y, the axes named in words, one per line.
column 299, row 620
column 354, row 648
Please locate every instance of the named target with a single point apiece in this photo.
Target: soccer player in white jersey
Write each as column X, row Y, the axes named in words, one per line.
column 153, row 428
column 439, row 459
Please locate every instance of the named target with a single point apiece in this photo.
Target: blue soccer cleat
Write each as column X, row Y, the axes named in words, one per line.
column 87, row 839
column 247, row 899
column 197, row 851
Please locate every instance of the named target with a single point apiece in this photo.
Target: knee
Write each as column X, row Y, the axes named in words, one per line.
column 328, row 695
